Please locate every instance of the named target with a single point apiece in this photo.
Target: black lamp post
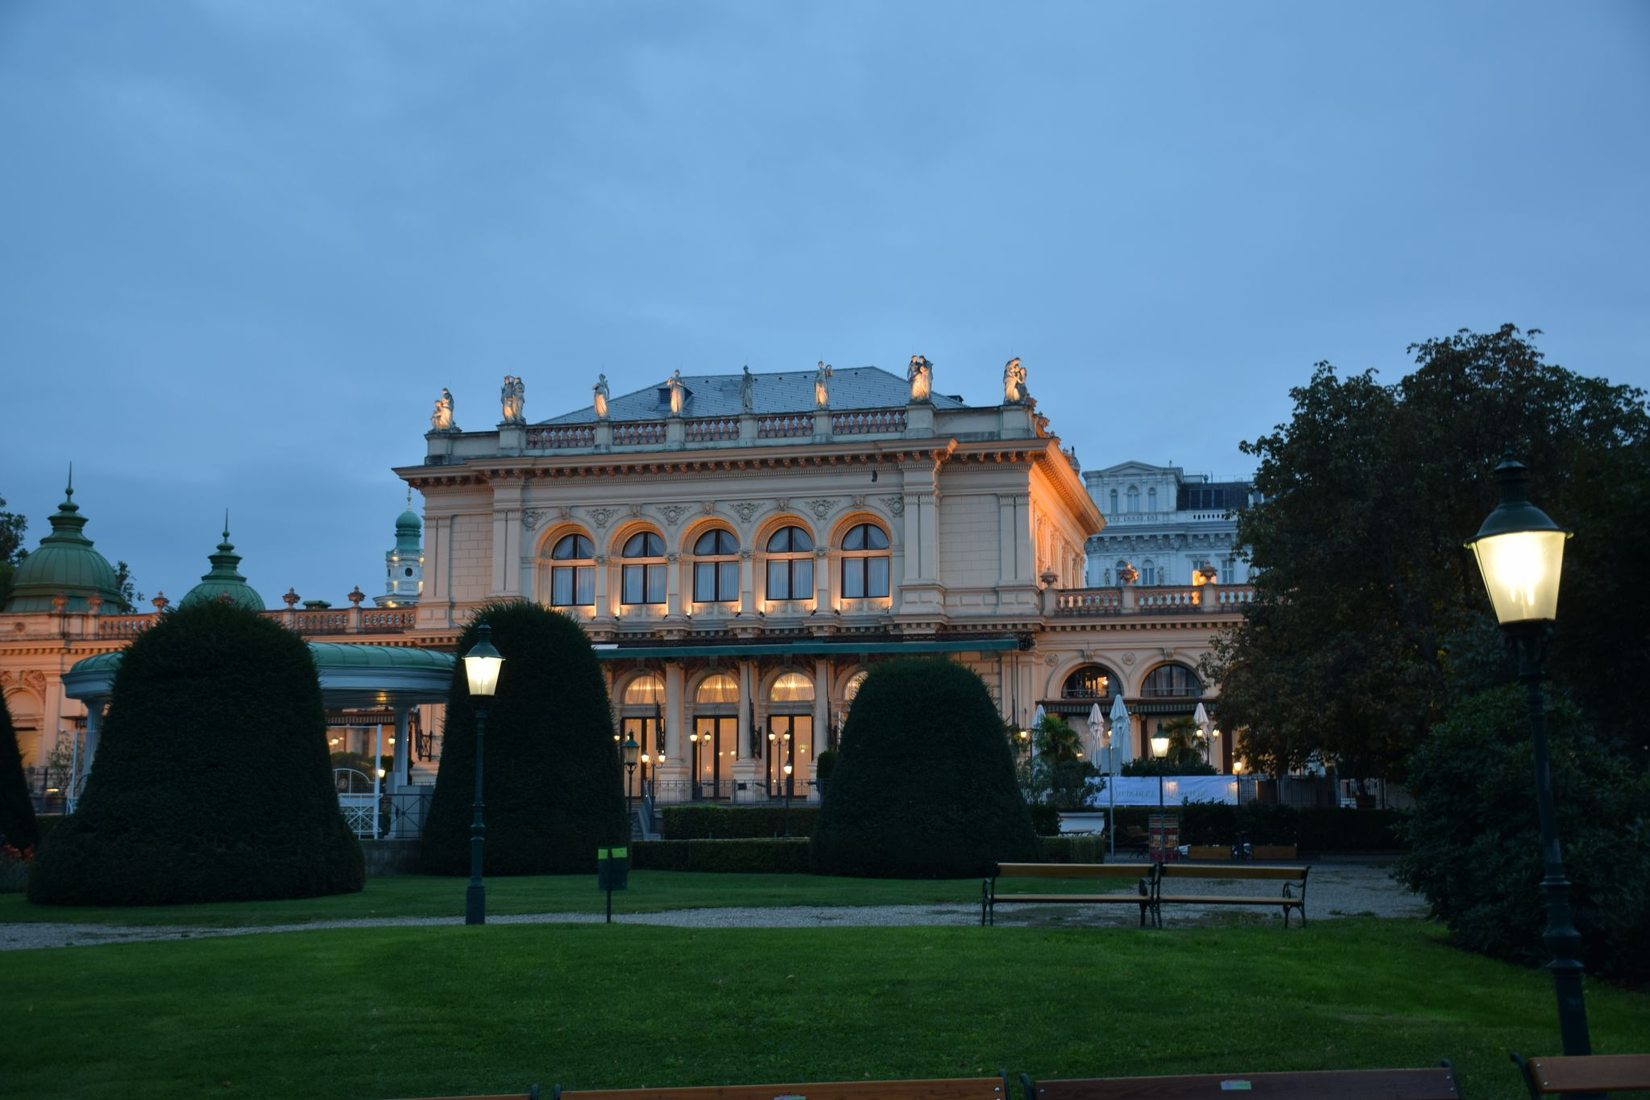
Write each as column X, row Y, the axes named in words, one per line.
column 481, row 669
column 1520, row 552
column 629, row 751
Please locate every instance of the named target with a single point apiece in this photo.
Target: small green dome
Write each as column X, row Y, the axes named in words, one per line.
column 224, row 582
column 65, row 564
column 408, row 529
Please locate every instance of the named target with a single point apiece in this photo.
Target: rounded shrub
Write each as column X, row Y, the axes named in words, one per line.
column 211, row 780
column 553, row 785
column 924, row 784
column 17, row 825
column 1476, row 842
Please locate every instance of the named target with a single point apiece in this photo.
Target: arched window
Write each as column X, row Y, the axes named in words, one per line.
column 1114, row 501
column 717, row 689
column 865, row 562
column 1172, row 682
column 573, row 572
column 644, row 568
column 1226, row 571
column 716, row 567
column 790, row 565
column 646, row 690
column 1134, row 498
column 1088, row 682
column 791, row 687
column 1148, row 572
column 850, row 690
column 1151, row 499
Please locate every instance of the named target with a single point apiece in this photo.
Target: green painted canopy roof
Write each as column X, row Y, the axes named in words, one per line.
column 224, row 582
column 351, row 675
column 65, row 564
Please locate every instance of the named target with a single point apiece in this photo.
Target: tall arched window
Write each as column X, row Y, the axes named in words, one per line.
column 716, row 567
column 1148, row 572
column 573, row 572
column 646, row 690
column 865, row 562
column 790, row 565
column 1172, row 682
column 1151, row 499
column 714, row 743
column 850, row 690
column 1226, row 571
column 1134, row 498
column 1088, row 682
column 644, row 568
column 1114, row 501
column 791, row 687
column 717, row 689
column 642, row 717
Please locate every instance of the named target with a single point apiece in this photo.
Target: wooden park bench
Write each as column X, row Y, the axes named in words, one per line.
column 1593, row 1073
column 1167, row 889
column 1143, row 874
column 959, row 1088
column 1437, row 1083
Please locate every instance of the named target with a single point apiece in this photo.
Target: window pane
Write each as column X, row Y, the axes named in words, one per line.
column 778, row 581
column 853, row 578
column 655, row 584
column 704, row 581
column 802, row 578
column 855, row 539
column 633, row 546
column 875, row 538
column 780, row 541
column 706, row 543
column 727, row 580
column 632, row 584
column 585, row 583
column 561, row 586
column 876, row 576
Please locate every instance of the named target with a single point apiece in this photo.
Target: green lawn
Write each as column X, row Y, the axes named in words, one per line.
column 650, row 892
column 417, row 1011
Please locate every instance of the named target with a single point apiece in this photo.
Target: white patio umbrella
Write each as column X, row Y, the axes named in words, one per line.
column 1119, row 743
column 1201, row 717
column 1037, row 717
column 1097, row 730
column 1120, row 729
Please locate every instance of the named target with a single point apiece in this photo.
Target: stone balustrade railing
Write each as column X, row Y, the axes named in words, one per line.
column 309, row 621
column 1153, row 600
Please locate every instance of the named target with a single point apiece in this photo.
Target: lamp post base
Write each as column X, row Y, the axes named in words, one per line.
column 475, row 904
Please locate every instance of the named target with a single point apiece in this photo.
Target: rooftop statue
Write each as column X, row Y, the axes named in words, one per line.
column 601, row 397
column 1014, row 383
column 921, row 376
column 822, row 395
column 512, row 397
column 678, row 392
column 747, row 391
column 441, row 420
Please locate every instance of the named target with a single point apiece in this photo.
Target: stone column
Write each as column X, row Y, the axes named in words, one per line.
column 822, row 717
column 744, row 766
column 679, row 766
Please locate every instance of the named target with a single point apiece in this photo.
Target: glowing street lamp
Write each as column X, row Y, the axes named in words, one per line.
column 1520, row 553
column 481, row 668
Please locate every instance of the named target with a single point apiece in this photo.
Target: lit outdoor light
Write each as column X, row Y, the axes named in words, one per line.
column 1520, row 553
column 1160, row 745
column 481, row 668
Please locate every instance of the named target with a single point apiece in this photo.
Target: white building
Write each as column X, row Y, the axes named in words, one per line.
column 1165, row 527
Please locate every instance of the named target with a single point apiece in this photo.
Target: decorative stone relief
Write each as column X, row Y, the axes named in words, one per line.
column 745, row 510
column 601, row 516
column 636, row 511
column 783, row 504
column 673, row 513
column 1128, row 658
column 708, row 507
column 564, row 513
column 896, row 505
column 532, row 517
column 744, row 555
column 822, row 507
column 859, row 502
column 600, row 559
column 673, row 557
column 821, row 553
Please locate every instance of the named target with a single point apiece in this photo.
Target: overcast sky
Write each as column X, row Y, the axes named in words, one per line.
column 244, row 244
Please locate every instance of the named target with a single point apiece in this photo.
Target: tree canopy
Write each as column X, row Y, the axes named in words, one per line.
column 1369, row 617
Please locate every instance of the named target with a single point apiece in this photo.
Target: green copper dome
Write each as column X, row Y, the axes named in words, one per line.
column 223, row 582
column 65, row 564
column 408, row 528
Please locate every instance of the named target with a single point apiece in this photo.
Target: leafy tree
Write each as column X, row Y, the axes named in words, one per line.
column 1476, row 842
column 160, row 822
column 1367, row 605
column 12, row 552
column 924, row 782
column 553, row 782
column 17, row 825
column 130, row 597
column 1056, row 773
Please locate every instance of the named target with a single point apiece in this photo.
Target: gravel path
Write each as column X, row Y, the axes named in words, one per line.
column 1335, row 890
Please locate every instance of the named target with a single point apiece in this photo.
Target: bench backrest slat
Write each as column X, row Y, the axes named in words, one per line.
column 1074, row 870
column 1358, row 1084
column 1589, row 1073
column 1229, row 870
column 973, row 1088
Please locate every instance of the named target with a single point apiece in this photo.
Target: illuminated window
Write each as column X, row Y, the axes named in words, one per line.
column 646, row 690
column 716, row 567
column 865, row 562
column 792, row 687
column 1172, row 682
column 573, row 572
column 717, row 689
column 850, row 690
column 644, row 579
column 790, row 565
column 1088, row 682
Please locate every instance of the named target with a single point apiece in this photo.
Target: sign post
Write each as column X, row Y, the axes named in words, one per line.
column 612, row 873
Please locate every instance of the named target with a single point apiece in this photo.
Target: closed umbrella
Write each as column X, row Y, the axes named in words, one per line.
column 1201, row 717
column 1119, row 742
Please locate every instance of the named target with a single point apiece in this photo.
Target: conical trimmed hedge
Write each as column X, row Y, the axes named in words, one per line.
column 924, row 784
column 17, row 826
column 211, row 780
column 553, row 788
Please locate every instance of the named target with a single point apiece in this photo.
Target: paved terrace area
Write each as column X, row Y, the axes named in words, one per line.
column 1333, row 891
